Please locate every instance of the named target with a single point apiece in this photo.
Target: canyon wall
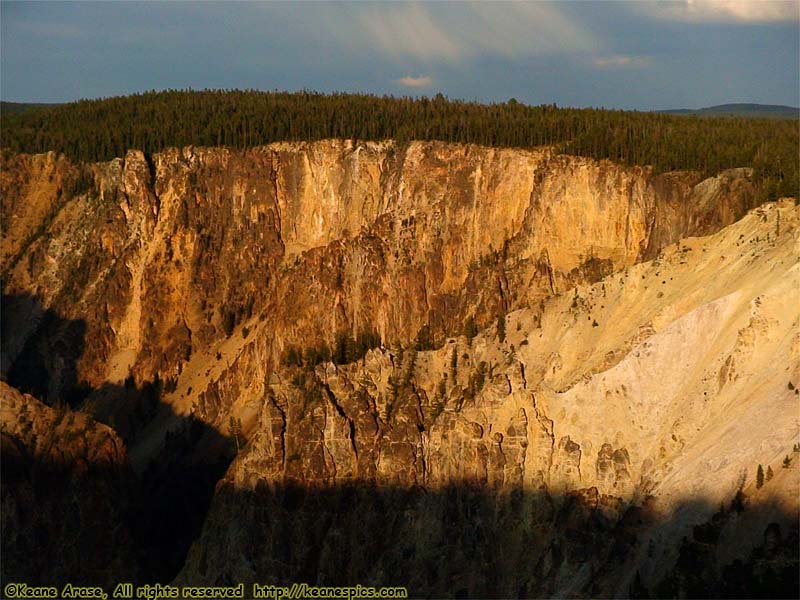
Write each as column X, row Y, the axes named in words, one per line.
column 474, row 371
column 166, row 255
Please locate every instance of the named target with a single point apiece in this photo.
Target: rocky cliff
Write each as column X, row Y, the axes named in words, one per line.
column 461, row 369
column 166, row 255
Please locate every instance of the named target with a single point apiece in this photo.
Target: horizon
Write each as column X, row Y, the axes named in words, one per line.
column 616, row 55
column 398, row 96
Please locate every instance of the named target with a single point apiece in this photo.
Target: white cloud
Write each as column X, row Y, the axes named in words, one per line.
column 724, row 11
column 452, row 32
column 517, row 29
column 415, row 82
column 620, row 61
column 406, row 30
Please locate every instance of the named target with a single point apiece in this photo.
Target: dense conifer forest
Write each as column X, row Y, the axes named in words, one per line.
column 96, row 130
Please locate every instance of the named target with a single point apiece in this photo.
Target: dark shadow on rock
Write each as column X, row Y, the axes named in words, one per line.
column 39, row 350
column 65, row 525
column 469, row 541
column 64, row 522
column 175, row 487
column 460, row 541
column 160, row 509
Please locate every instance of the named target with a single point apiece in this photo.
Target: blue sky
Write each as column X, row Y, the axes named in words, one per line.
column 641, row 55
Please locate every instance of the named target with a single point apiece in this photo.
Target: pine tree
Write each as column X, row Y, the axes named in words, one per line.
column 501, row 328
column 786, row 462
column 760, row 477
column 770, row 474
column 235, row 430
column 470, row 330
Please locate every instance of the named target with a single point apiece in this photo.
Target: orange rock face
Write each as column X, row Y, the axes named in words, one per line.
column 462, row 369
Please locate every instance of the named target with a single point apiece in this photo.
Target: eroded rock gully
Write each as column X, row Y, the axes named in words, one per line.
column 623, row 374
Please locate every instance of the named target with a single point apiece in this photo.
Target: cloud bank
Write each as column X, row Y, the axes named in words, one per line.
column 725, row 11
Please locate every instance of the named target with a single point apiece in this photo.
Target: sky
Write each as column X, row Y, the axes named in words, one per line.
column 630, row 55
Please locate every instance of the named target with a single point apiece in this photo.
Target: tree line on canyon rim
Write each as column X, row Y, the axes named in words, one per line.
column 97, row 130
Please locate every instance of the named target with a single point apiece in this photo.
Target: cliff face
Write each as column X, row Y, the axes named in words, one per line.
column 604, row 409
column 164, row 256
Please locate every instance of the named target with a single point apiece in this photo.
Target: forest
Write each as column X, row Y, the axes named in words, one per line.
column 98, row 130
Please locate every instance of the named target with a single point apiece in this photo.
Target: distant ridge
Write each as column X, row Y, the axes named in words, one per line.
column 18, row 107
column 772, row 111
column 777, row 111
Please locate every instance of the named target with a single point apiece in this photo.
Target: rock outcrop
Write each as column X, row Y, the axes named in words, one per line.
column 465, row 370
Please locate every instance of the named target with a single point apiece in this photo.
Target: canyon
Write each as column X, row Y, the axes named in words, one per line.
column 474, row 372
